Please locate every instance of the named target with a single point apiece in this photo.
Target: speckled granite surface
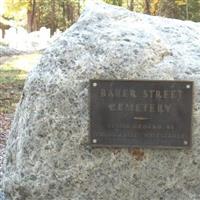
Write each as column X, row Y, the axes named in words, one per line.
column 48, row 156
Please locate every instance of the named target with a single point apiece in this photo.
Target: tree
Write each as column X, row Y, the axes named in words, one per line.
column 154, row 7
column 15, row 9
column 131, row 5
column 4, row 27
column 168, row 8
column 194, row 10
column 31, row 16
column 147, row 7
column 60, row 14
column 53, row 16
column 50, row 13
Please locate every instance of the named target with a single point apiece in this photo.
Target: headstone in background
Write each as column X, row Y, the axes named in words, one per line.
column 44, row 37
column 19, row 39
column 56, row 35
column 49, row 156
column 11, row 37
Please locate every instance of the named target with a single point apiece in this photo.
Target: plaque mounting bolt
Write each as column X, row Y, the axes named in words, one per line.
column 188, row 86
column 185, row 142
column 94, row 141
column 94, row 84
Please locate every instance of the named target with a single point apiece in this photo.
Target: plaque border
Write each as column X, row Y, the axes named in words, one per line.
column 167, row 147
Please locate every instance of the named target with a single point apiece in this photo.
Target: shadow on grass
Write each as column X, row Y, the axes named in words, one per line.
column 11, row 85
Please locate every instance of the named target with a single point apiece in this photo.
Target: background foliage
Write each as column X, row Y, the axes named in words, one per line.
column 59, row 14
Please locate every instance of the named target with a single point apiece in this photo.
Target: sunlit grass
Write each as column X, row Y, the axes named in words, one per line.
column 23, row 62
column 12, row 76
column 13, row 72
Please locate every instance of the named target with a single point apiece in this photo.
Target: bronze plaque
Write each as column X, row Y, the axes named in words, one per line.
column 132, row 113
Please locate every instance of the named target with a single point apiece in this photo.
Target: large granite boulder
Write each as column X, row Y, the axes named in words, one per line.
column 48, row 155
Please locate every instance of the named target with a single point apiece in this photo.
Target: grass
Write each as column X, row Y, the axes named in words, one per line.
column 11, row 85
column 13, row 72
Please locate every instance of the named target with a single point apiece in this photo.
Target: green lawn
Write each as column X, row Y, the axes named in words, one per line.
column 13, row 72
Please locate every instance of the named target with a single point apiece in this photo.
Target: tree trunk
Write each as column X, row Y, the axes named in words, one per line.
column 3, row 33
column 131, row 7
column 154, row 7
column 4, row 27
column 147, row 7
column 79, row 8
column 119, row 2
column 29, row 25
column 31, row 17
column 70, row 13
column 114, row 2
column 168, row 8
column 53, row 16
